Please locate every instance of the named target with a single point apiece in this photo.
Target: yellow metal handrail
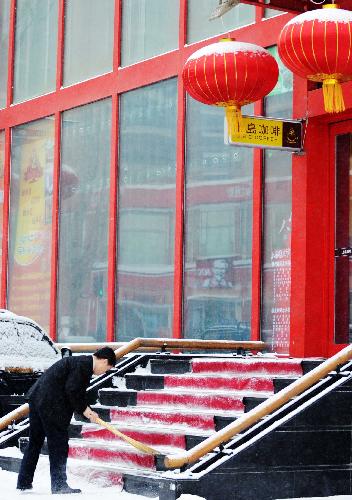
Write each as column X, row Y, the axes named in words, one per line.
column 142, row 343
column 122, row 348
column 262, row 410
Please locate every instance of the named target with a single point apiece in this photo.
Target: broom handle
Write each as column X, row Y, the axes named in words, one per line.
column 136, row 444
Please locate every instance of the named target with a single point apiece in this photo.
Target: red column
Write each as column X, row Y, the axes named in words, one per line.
column 310, row 235
column 180, row 180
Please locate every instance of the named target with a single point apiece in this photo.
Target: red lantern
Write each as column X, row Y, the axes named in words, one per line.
column 317, row 45
column 230, row 74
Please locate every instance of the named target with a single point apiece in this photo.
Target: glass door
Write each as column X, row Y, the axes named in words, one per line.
column 342, row 144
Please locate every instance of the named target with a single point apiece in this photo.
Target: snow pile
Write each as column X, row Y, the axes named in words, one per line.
column 23, row 344
column 322, row 16
column 229, row 47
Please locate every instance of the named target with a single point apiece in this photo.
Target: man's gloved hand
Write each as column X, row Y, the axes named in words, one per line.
column 91, row 415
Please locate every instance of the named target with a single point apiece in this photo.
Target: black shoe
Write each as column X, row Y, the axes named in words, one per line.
column 24, row 487
column 65, row 490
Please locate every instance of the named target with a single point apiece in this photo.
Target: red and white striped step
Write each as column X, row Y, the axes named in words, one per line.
column 150, row 436
column 199, row 401
column 249, row 366
column 185, row 419
column 118, row 454
column 219, row 383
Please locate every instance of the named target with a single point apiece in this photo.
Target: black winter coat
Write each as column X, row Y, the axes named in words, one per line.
column 61, row 390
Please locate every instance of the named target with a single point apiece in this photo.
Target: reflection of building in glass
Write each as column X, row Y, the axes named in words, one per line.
column 130, row 216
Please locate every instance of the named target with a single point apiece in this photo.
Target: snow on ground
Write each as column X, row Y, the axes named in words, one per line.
column 41, row 489
column 41, row 486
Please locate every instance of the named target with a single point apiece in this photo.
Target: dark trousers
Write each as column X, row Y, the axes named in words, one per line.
column 57, row 440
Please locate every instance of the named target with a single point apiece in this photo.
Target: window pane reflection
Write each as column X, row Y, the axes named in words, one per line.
column 84, row 216
column 32, row 158
column 199, row 26
column 279, row 102
column 148, row 29
column 4, row 47
column 276, row 273
column 146, row 211
column 89, row 39
column 218, row 229
column 35, row 48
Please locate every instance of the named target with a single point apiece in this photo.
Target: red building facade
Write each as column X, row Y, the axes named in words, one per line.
column 124, row 214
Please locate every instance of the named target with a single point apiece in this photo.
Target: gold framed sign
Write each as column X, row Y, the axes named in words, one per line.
column 272, row 133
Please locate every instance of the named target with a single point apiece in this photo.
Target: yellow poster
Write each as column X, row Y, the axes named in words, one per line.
column 30, row 231
column 30, row 220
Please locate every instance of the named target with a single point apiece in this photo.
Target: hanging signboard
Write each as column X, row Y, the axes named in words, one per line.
column 261, row 132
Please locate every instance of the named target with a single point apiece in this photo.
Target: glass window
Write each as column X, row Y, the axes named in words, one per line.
column 2, row 166
column 218, row 229
column 147, row 173
column 4, row 47
column 271, row 12
column 149, row 28
column 83, row 224
column 277, row 219
column 276, row 273
column 35, row 48
column 279, row 102
column 32, row 159
column 199, row 26
column 89, row 39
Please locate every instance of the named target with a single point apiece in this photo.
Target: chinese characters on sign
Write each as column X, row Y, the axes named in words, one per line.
column 268, row 133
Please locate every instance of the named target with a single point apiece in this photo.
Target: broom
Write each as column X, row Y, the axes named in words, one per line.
column 136, row 444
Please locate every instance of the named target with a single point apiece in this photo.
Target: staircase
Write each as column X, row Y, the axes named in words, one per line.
column 176, row 401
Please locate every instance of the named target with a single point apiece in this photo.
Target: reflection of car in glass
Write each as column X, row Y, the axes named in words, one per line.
column 25, row 352
column 239, row 330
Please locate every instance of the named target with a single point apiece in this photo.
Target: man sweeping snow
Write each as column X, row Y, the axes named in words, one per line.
column 59, row 392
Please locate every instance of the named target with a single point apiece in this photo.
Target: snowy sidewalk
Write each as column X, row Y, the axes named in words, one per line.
column 41, row 489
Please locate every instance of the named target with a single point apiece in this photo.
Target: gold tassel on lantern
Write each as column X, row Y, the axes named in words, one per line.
column 333, row 97
column 234, row 119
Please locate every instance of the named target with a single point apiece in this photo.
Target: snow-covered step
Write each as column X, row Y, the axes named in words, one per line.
column 147, row 435
column 116, row 453
column 200, row 383
column 248, row 366
column 189, row 420
column 97, row 473
column 225, row 402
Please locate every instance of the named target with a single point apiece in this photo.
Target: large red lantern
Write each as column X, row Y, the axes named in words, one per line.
column 230, row 74
column 317, row 45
